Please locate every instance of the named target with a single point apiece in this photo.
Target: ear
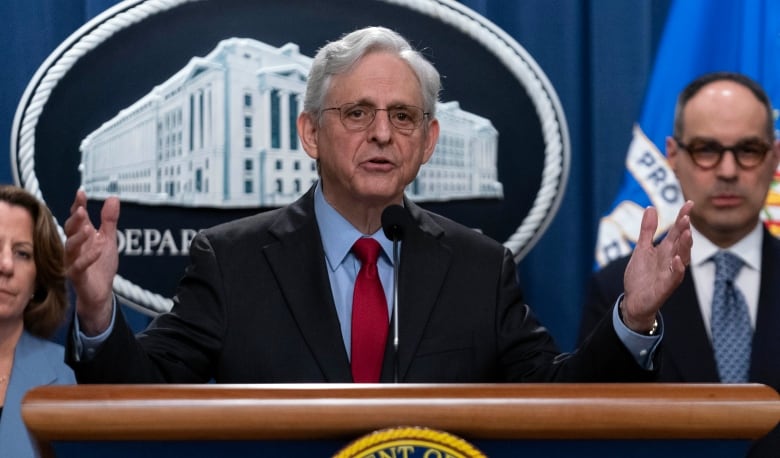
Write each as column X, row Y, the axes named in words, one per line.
column 671, row 152
column 432, row 138
column 775, row 151
column 308, row 126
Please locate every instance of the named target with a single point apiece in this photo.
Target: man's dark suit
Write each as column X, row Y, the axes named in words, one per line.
column 255, row 306
column 687, row 354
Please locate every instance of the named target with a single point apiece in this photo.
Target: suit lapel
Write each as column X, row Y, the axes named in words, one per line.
column 689, row 349
column 766, row 340
column 31, row 366
column 424, row 264
column 298, row 261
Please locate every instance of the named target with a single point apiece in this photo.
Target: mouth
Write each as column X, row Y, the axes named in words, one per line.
column 726, row 200
column 377, row 164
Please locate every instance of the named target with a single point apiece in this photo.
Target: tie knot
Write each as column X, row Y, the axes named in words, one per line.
column 727, row 265
column 367, row 250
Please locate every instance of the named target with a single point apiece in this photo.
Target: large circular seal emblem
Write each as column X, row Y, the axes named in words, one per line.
column 185, row 110
column 409, row 442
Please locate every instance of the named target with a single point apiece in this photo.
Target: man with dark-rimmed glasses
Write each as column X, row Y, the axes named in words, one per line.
column 724, row 153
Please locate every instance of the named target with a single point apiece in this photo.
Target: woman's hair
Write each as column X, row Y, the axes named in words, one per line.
column 340, row 56
column 46, row 311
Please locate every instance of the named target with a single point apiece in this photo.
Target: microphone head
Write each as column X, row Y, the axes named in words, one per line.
column 395, row 220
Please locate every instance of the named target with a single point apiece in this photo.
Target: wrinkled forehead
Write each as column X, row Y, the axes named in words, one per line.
column 377, row 78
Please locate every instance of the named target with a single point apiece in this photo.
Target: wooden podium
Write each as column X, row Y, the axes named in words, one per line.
column 318, row 420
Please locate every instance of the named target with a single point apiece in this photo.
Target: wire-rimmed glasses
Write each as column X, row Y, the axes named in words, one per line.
column 358, row 116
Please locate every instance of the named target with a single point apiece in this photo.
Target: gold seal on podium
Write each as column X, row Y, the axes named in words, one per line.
column 409, row 442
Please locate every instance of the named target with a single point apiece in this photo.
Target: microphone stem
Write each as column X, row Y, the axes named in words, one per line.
column 396, row 260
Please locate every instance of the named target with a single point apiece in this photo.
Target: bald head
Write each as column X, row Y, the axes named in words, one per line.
column 724, row 155
column 725, row 84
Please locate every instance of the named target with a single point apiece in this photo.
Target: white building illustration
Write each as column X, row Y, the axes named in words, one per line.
column 464, row 163
column 221, row 133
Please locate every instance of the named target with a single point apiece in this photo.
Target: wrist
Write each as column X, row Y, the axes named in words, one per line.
column 94, row 321
column 647, row 327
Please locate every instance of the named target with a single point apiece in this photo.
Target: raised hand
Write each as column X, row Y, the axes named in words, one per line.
column 655, row 271
column 91, row 260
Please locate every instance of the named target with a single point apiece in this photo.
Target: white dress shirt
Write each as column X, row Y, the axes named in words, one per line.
column 748, row 279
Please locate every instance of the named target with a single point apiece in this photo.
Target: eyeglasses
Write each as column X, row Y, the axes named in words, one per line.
column 707, row 153
column 358, row 116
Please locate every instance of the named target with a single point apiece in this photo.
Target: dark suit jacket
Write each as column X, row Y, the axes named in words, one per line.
column 255, row 306
column 687, row 354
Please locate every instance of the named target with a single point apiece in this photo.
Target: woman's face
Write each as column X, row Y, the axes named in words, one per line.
column 17, row 264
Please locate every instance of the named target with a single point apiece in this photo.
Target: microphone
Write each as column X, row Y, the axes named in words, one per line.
column 395, row 220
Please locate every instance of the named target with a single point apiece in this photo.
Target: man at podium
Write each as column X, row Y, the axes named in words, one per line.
column 305, row 293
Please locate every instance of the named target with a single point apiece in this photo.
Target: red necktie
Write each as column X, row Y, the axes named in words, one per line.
column 369, row 315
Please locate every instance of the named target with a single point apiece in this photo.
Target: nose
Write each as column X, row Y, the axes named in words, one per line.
column 728, row 166
column 381, row 129
column 6, row 261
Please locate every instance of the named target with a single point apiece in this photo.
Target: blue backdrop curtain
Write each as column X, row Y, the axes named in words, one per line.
column 597, row 54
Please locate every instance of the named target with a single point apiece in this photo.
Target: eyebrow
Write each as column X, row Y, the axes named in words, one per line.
column 371, row 104
column 740, row 140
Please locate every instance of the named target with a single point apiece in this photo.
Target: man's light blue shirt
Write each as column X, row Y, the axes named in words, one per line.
column 338, row 236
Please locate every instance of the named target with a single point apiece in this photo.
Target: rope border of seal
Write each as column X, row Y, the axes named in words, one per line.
column 510, row 53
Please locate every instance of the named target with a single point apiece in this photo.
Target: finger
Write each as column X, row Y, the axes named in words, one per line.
column 77, row 243
column 109, row 216
column 677, row 267
column 76, row 221
column 78, row 213
column 81, row 263
column 79, row 201
column 682, row 222
column 682, row 240
column 684, row 216
column 79, row 237
column 678, row 241
column 685, row 245
column 647, row 228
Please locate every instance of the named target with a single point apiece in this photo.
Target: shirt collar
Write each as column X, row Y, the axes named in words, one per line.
column 748, row 248
column 338, row 235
